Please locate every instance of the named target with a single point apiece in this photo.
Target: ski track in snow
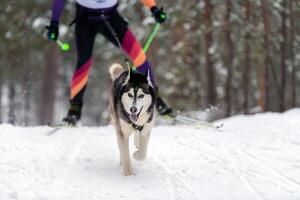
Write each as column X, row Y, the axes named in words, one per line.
column 250, row 158
column 58, row 183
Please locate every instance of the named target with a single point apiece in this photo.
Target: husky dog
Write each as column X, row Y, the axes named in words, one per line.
column 132, row 109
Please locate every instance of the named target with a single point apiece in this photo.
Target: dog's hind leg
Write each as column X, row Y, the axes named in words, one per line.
column 123, row 141
column 141, row 153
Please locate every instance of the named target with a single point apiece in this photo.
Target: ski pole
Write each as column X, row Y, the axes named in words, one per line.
column 151, row 37
column 148, row 42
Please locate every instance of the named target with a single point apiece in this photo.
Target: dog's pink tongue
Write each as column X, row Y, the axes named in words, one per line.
column 134, row 117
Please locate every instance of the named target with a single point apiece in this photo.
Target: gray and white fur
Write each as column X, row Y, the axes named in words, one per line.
column 132, row 110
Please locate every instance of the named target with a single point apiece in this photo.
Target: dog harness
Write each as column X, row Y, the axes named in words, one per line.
column 96, row 4
column 58, row 5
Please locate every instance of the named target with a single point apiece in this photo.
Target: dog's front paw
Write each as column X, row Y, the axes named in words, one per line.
column 139, row 156
column 128, row 171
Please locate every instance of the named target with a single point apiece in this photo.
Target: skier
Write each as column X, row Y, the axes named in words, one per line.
column 101, row 16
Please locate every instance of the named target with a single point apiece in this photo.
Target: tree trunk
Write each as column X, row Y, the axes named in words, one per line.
column 1, row 82
column 12, row 103
column 247, row 62
column 228, row 58
column 265, row 89
column 27, row 108
column 292, row 52
column 50, row 77
column 26, row 103
column 208, row 42
column 283, row 55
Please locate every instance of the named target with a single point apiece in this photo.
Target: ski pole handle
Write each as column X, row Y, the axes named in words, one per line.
column 63, row 46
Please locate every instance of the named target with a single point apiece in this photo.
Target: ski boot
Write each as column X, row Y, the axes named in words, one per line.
column 73, row 116
column 162, row 107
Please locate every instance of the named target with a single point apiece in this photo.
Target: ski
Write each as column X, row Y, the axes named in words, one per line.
column 191, row 122
column 54, row 130
column 57, row 127
column 197, row 122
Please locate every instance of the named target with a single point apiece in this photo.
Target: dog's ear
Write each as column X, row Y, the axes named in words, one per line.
column 130, row 72
column 149, row 78
column 128, row 77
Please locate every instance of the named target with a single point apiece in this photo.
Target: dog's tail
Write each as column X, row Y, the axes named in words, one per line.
column 115, row 70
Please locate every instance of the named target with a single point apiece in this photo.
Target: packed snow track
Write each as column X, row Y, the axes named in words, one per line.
column 250, row 158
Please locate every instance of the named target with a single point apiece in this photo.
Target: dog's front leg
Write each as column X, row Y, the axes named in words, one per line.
column 137, row 139
column 141, row 153
column 124, row 154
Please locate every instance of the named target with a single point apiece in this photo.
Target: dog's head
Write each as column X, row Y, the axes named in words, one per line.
column 138, row 95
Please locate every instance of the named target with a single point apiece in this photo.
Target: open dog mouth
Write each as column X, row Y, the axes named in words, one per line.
column 135, row 116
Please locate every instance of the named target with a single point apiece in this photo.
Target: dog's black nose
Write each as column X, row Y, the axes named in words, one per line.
column 133, row 109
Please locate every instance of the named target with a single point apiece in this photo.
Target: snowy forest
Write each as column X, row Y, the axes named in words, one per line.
column 227, row 57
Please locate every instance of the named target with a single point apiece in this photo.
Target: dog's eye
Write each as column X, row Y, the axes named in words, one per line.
column 130, row 95
column 141, row 96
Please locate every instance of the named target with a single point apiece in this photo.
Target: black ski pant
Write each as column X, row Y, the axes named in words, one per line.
column 115, row 29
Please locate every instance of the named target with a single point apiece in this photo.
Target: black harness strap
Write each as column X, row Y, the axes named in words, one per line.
column 137, row 127
column 114, row 34
column 93, row 14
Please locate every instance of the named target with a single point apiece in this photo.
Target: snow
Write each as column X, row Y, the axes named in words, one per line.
column 249, row 158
